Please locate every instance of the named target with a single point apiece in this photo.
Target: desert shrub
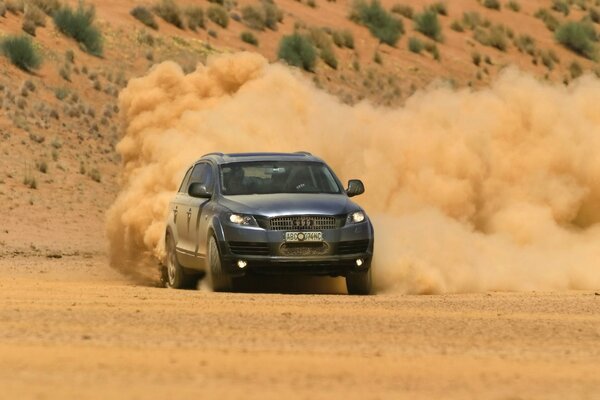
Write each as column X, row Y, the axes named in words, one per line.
column 249, row 38
column 457, row 26
column 254, row 17
column 491, row 4
column 377, row 58
column 29, row 27
column 381, row 23
column 525, row 44
column 549, row 20
column 594, row 15
column 2, row 9
column 514, row 5
column 21, row 52
column 298, row 50
column 65, row 74
column 30, row 181
column 70, row 56
column 428, row 24
column 575, row 70
column 170, row 12
column 432, row 49
column 405, row 10
column 549, row 58
column 311, row 3
column 415, row 45
column 61, row 93
column 42, row 166
column 218, row 15
column 145, row 16
column 213, row 33
column 561, row 6
column 47, row 6
column 343, row 38
column 494, row 37
column 439, row 8
column 471, row 20
column 195, row 18
column 578, row 37
column 79, row 25
column 95, row 175
column 29, row 86
column 35, row 15
column 15, row 6
column 273, row 15
column 476, row 58
column 328, row 56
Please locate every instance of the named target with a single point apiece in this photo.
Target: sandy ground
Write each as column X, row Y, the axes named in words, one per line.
column 72, row 328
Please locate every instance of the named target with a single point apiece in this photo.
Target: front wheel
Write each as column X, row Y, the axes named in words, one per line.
column 218, row 280
column 359, row 283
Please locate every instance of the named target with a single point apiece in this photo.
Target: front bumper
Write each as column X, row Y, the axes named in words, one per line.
column 266, row 252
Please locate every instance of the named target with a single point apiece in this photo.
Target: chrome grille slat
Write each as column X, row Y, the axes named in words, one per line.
column 303, row 223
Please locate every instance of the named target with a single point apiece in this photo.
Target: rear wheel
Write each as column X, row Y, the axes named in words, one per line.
column 359, row 282
column 218, row 280
column 173, row 274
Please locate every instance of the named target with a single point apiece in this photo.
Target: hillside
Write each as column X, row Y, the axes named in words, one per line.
column 60, row 123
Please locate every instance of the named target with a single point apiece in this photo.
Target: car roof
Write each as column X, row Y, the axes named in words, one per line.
column 221, row 158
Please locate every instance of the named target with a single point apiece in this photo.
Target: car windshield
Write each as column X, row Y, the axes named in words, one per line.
column 267, row 177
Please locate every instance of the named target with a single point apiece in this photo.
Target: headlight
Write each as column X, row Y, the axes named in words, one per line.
column 239, row 219
column 356, row 217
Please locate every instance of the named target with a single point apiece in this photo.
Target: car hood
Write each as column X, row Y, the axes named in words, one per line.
column 270, row 205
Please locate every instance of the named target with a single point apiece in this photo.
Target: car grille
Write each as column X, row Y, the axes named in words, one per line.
column 303, row 223
column 304, row 249
column 250, row 248
column 353, row 247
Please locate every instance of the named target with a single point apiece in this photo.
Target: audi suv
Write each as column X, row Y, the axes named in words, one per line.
column 266, row 213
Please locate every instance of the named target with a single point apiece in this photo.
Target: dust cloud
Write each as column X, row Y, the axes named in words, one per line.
column 494, row 189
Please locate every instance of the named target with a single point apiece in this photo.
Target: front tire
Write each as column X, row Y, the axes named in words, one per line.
column 173, row 274
column 359, row 283
column 218, row 280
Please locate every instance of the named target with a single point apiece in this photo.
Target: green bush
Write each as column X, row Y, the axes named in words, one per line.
column 381, row 23
column 78, row 24
column 428, row 24
column 561, row 6
column 218, row 15
column 21, row 52
column 170, row 12
column 144, row 15
column 298, row 50
column 491, row 4
column 578, row 37
column 514, row 5
column 249, row 38
column 404, row 10
column 195, row 18
column 415, row 45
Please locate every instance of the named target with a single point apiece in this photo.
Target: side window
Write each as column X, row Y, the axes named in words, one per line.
column 202, row 173
column 184, row 182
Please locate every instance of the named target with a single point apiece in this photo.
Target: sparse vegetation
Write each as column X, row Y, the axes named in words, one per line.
column 61, row 93
column 575, row 70
column 561, row 6
column 578, row 37
column 428, row 24
column 514, row 5
column 218, row 15
column 343, row 38
column 377, row 58
column 491, row 4
column 42, row 166
column 525, row 43
column 145, row 16
column 405, row 10
column 195, row 18
column 47, row 6
column 440, row 8
column 549, row 20
column 471, row 20
column 248, row 37
column 323, row 42
column 381, row 23
column 298, row 50
column 415, row 45
column 594, row 15
column 476, row 58
column 79, row 25
column 457, row 26
column 494, row 37
column 21, row 52
column 95, row 175
column 170, row 12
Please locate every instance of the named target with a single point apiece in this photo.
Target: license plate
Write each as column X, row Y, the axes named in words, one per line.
column 304, row 236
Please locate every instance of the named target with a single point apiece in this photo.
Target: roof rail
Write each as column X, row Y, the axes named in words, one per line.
column 214, row 154
column 306, row 153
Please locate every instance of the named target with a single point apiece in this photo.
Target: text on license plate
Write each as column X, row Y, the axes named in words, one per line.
column 304, row 236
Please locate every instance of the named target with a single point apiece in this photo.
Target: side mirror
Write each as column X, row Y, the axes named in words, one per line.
column 199, row 190
column 355, row 187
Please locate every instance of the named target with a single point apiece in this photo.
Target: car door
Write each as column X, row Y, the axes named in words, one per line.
column 178, row 220
column 192, row 213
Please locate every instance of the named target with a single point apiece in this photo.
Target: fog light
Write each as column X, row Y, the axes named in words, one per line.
column 359, row 262
column 241, row 264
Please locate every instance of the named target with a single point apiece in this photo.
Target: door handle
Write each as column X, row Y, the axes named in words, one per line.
column 189, row 213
